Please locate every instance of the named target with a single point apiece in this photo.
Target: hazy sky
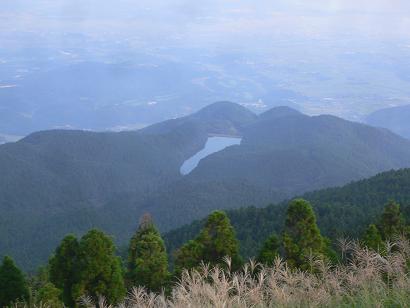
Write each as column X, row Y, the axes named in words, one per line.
column 348, row 56
column 210, row 21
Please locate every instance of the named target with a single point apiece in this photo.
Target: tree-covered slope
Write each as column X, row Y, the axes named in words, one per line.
column 220, row 118
column 57, row 182
column 298, row 153
column 341, row 212
column 395, row 118
column 283, row 153
column 62, row 181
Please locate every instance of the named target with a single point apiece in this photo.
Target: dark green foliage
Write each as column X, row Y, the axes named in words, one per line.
column 57, row 182
column 64, row 268
column 13, row 285
column 98, row 269
column 372, row 238
column 188, row 256
column 301, row 238
column 340, row 212
column 296, row 153
column 86, row 267
column 147, row 258
column 49, row 295
column 392, row 222
column 216, row 241
column 269, row 251
column 282, row 155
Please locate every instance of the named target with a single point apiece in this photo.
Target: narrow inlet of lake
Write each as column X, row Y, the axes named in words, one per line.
column 213, row 145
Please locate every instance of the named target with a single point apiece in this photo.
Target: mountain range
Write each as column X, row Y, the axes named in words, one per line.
column 62, row 181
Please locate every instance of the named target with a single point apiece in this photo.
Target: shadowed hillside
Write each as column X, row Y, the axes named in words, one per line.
column 341, row 212
column 58, row 182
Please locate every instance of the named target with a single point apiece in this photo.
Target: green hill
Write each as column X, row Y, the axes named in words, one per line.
column 221, row 118
column 341, row 212
column 61, row 181
column 58, row 182
column 298, row 153
column 283, row 153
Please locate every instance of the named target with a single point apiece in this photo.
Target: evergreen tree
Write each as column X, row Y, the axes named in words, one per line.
column 372, row 238
column 219, row 240
column 147, row 258
column 49, row 295
column 188, row 256
column 392, row 222
column 269, row 250
column 215, row 241
column 302, row 239
column 63, row 268
column 99, row 270
column 13, row 285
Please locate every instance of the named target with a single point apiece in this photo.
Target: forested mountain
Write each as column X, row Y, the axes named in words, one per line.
column 222, row 118
column 341, row 212
column 298, row 153
column 62, row 181
column 57, row 182
column 395, row 118
column 283, row 153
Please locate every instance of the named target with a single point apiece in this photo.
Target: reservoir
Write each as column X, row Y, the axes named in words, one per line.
column 213, row 145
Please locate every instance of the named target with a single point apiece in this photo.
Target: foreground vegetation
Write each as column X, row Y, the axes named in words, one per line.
column 299, row 267
column 365, row 278
column 342, row 212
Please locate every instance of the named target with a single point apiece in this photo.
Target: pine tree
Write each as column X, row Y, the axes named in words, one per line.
column 49, row 295
column 147, row 258
column 392, row 222
column 63, row 268
column 13, row 285
column 372, row 238
column 218, row 239
column 188, row 256
column 302, row 239
column 269, row 250
column 99, row 270
column 215, row 241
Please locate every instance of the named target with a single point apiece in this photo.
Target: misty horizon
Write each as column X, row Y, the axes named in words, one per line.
column 167, row 59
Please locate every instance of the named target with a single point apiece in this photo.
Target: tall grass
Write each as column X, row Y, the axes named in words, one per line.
column 363, row 278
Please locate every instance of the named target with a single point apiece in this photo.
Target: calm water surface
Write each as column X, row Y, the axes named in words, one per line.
column 213, row 144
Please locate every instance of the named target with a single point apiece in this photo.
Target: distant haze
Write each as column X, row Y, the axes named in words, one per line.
column 208, row 21
column 169, row 58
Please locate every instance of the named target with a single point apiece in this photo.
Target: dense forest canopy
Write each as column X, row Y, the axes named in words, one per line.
column 341, row 212
column 64, row 181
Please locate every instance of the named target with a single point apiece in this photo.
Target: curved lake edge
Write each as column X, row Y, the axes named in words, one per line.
column 214, row 143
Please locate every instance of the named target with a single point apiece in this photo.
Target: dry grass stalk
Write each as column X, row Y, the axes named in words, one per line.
column 365, row 278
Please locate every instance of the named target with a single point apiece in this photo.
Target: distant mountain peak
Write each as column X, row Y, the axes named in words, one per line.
column 222, row 117
column 395, row 119
column 279, row 112
column 221, row 104
column 224, row 109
